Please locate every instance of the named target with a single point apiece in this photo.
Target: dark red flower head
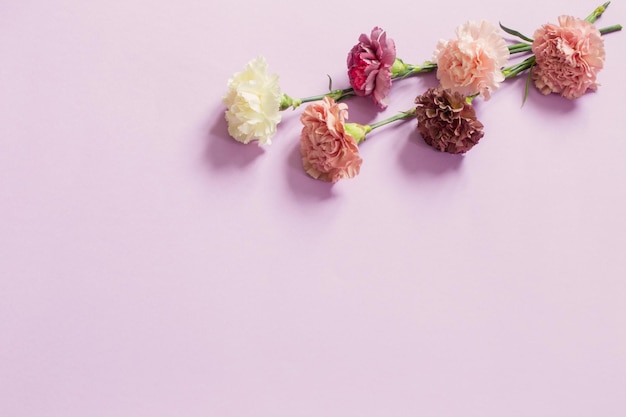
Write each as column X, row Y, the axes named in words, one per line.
column 446, row 121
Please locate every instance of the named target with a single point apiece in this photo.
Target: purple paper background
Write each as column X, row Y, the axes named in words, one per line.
column 151, row 266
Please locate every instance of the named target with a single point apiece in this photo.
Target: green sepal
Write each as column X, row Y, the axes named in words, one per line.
column 357, row 131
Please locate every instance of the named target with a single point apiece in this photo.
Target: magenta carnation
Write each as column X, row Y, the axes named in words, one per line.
column 569, row 56
column 369, row 66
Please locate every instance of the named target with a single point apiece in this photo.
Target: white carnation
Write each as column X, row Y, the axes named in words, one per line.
column 253, row 103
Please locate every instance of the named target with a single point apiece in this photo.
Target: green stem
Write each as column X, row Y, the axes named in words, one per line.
column 334, row 94
column 287, row 101
column 418, row 69
column 610, row 29
column 597, row 12
column 403, row 115
column 401, row 70
column 514, row 70
column 517, row 48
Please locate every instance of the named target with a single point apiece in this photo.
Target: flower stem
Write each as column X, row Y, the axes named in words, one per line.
column 517, row 48
column 597, row 12
column 514, row 70
column 610, row 29
column 401, row 69
column 418, row 69
column 334, row 94
column 287, row 101
column 402, row 115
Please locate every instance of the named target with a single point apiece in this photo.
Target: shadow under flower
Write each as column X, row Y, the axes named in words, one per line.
column 417, row 157
column 550, row 103
column 362, row 109
column 303, row 186
column 426, row 81
column 222, row 151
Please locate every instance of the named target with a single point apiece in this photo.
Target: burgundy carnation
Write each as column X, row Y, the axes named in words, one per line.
column 446, row 121
column 369, row 66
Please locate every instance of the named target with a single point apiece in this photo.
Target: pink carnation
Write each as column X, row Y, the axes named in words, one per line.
column 569, row 57
column 329, row 153
column 473, row 62
column 369, row 66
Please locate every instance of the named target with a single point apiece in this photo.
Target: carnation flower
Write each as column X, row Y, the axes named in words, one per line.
column 253, row 103
column 369, row 66
column 446, row 121
column 569, row 56
column 472, row 63
column 329, row 152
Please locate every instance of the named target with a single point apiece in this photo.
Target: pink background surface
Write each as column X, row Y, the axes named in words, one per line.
column 151, row 266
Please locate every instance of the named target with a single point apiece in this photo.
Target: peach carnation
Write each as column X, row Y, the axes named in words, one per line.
column 473, row 62
column 569, row 56
column 329, row 153
column 369, row 66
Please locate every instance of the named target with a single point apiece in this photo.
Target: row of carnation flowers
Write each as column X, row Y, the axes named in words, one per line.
column 566, row 58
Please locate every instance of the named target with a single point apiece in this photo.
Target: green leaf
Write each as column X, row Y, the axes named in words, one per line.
column 515, row 33
column 527, row 85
